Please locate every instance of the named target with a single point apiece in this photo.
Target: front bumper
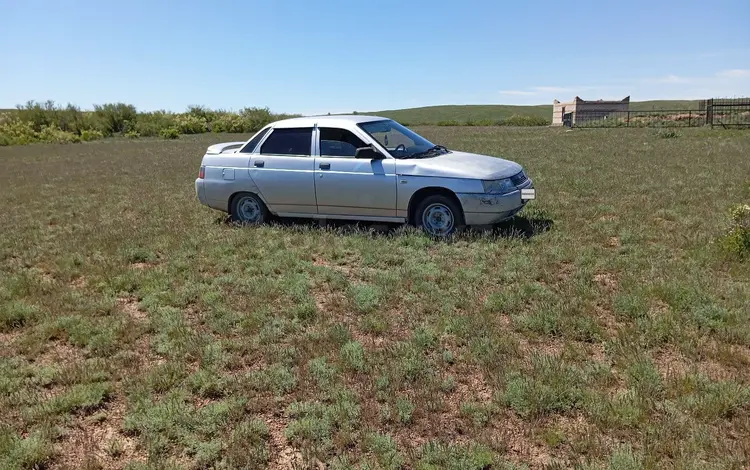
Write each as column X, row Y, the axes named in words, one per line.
column 487, row 209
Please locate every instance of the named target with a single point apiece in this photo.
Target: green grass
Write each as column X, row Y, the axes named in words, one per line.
column 606, row 327
column 497, row 112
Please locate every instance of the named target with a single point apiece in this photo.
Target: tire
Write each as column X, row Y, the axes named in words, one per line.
column 439, row 216
column 248, row 209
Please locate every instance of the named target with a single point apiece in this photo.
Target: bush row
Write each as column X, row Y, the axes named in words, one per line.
column 515, row 120
column 48, row 122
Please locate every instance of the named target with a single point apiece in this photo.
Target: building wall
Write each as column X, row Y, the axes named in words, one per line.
column 586, row 110
column 558, row 109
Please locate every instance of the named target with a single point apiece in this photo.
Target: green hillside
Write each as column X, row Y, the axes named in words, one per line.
column 665, row 105
column 462, row 113
column 495, row 112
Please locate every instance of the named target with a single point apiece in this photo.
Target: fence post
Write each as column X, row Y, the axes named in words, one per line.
column 710, row 112
column 628, row 118
column 690, row 119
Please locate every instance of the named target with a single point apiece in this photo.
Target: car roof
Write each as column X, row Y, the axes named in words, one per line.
column 342, row 120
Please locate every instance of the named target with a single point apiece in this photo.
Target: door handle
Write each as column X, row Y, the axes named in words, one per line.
column 325, row 166
column 259, row 163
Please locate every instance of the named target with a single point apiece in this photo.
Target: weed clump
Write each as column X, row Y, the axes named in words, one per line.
column 668, row 134
column 737, row 239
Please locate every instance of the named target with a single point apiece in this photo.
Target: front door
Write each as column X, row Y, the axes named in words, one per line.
column 348, row 186
column 283, row 171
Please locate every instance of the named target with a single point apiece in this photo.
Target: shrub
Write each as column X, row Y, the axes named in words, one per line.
column 48, row 114
column 88, row 135
column 525, row 121
column 170, row 133
column 227, row 123
column 18, row 132
column 151, row 124
column 115, row 115
column 202, row 112
column 737, row 239
column 37, row 114
column 55, row 135
column 190, row 124
column 92, row 122
column 146, row 129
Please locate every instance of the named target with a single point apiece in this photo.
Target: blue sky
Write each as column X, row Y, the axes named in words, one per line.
column 340, row 56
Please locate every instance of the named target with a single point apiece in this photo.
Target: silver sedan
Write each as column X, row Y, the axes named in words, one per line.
column 359, row 168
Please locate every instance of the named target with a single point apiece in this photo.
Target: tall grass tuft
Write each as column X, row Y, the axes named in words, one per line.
column 737, row 239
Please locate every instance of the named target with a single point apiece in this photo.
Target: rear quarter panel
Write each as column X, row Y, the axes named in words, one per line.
column 226, row 174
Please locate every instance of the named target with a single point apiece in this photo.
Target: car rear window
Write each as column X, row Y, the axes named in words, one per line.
column 295, row 141
column 255, row 141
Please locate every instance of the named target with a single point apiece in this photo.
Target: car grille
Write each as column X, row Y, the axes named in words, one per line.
column 519, row 179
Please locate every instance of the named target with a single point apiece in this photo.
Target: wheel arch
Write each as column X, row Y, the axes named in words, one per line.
column 230, row 200
column 423, row 193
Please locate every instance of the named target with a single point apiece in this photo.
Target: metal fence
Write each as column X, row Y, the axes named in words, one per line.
column 661, row 118
column 715, row 112
column 728, row 112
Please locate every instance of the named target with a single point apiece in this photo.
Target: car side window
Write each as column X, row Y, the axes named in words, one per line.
column 293, row 141
column 338, row 142
column 255, row 141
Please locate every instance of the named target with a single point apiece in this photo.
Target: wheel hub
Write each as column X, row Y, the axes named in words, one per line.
column 249, row 209
column 438, row 219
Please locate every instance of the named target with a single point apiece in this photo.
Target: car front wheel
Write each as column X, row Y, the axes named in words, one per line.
column 248, row 209
column 439, row 216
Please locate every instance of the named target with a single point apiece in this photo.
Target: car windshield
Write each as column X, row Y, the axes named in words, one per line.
column 400, row 141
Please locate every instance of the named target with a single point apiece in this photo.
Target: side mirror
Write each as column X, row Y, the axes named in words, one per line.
column 368, row 153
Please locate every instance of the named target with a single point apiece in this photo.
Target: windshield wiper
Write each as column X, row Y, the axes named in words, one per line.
column 429, row 151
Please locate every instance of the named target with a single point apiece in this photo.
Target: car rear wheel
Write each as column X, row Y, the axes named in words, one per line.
column 247, row 208
column 439, row 216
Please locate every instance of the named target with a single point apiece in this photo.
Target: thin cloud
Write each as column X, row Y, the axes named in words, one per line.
column 669, row 79
column 734, row 73
column 517, row 92
column 553, row 89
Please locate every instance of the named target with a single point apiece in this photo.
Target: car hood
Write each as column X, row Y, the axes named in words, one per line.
column 459, row 165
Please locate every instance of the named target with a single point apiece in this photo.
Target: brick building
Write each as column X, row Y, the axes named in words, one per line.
column 578, row 110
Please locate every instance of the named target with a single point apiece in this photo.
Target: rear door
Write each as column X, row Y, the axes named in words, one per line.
column 349, row 186
column 283, row 171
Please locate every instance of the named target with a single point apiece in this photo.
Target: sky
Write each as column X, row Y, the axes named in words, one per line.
column 309, row 57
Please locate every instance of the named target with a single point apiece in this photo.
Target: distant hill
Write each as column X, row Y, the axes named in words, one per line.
column 462, row 113
column 664, row 105
column 497, row 112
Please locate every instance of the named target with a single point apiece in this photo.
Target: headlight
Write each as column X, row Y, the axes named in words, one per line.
column 498, row 186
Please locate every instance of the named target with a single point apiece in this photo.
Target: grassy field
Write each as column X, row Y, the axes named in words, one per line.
column 602, row 328
column 463, row 113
